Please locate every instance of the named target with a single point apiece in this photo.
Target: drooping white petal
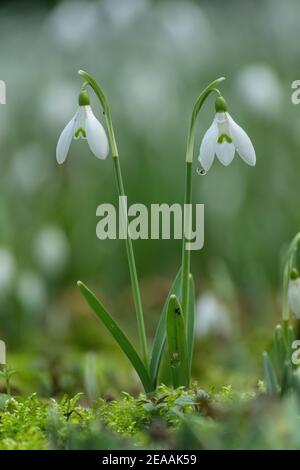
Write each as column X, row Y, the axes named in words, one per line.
column 65, row 139
column 294, row 297
column 242, row 142
column 225, row 152
column 96, row 135
column 208, row 145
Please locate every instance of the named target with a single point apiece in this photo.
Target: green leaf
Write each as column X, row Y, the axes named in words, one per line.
column 177, row 344
column 119, row 336
column 270, row 376
column 190, row 321
column 160, row 335
column 279, row 352
column 286, row 378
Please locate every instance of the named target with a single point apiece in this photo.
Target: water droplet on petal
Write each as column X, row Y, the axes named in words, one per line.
column 201, row 171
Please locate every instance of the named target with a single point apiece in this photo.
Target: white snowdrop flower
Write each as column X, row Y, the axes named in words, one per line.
column 266, row 98
column 51, row 250
column 2, row 353
column 7, row 270
column 73, row 22
column 83, row 125
column 31, row 292
column 294, row 294
column 223, row 138
column 212, row 317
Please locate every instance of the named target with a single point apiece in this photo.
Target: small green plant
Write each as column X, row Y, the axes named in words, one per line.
column 176, row 324
column 280, row 372
column 6, row 373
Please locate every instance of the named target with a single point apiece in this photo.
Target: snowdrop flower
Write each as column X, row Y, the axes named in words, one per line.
column 223, row 138
column 31, row 291
column 294, row 294
column 2, row 353
column 51, row 250
column 83, row 125
column 264, row 99
column 212, row 317
column 7, row 270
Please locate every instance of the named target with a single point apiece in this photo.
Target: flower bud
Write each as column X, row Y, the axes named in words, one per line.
column 83, row 99
column 221, row 105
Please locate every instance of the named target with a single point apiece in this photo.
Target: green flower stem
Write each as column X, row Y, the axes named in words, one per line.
column 119, row 180
column 186, row 254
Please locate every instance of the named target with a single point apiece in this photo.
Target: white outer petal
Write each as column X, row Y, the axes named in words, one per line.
column 208, row 145
column 65, row 140
column 96, row 135
column 225, row 152
column 294, row 297
column 242, row 142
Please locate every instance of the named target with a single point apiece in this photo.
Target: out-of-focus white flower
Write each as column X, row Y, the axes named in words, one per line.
column 223, row 138
column 91, row 381
column 72, row 22
column 7, row 270
column 57, row 101
column 147, row 90
column 2, row 353
column 31, row 292
column 212, row 317
column 187, row 25
column 83, row 125
column 123, row 12
column 294, row 297
column 260, row 89
column 28, row 169
column 51, row 250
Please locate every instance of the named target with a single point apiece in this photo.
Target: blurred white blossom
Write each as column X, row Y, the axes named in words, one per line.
column 29, row 167
column 31, row 292
column 212, row 317
column 7, row 270
column 186, row 24
column 259, row 87
column 294, row 297
column 72, row 23
column 123, row 12
column 57, row 101
column 2, row 353
column 51, row 250
column 147, row 88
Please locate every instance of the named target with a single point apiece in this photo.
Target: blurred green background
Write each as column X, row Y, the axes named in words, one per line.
column 152, row 58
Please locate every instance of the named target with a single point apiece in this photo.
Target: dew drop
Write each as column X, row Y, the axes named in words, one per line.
column 201, row 171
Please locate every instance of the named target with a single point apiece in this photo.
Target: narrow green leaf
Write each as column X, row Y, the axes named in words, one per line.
column 190, row 321
column 177, row 344
column 160, row 335
column 270, row 376
column 279, row 351
column 119, row 336
column 286, row 378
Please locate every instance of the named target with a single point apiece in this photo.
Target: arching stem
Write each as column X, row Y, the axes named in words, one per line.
column 186, row 254
column 120, row 186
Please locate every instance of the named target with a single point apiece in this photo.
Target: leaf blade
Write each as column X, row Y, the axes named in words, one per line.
column 190, row 321
column 177, row 346
column 160, row 334
column 270, row 376
column 117, row 334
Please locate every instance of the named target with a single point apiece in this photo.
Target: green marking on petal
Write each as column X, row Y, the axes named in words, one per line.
column 224, row 137
column 80, row 132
